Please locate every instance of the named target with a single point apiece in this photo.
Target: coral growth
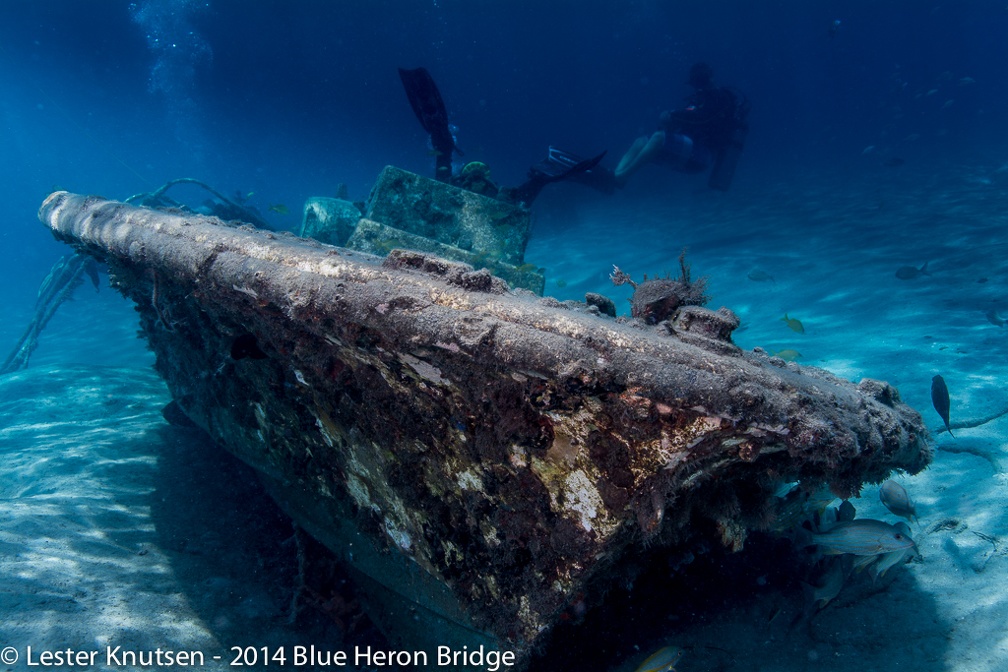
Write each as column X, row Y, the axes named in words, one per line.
column 657, row 299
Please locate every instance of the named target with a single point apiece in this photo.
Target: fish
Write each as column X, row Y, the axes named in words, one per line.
column 845, row 512
column 940, row 401
column 760, row 276
column 828, row 586
column 910, row 272
column 863, row 536
column 788, row 355
column 895, row 498
column 793, row 324
column 893, row 162
column 863, row 561
column 662, row 660
column 993, row 317
column 279, row 208
column 798, row 503
column 888, row 560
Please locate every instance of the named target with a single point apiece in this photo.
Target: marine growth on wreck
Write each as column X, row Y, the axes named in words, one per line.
column 488, row 456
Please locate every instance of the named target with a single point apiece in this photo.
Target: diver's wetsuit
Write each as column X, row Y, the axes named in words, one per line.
column 696, row 134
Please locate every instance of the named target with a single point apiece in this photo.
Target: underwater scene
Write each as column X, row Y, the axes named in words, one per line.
column 484, row 335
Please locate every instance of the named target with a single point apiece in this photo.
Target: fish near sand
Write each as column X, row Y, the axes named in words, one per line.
column 940, row 400
column 889, row 560
column 910, row 272
column 793, row 324
column 863, row 536
column 819, row 594
column 662, row 660
column 757, row 275
column 895, row 498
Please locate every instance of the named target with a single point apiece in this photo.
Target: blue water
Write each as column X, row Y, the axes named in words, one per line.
column 287, row 100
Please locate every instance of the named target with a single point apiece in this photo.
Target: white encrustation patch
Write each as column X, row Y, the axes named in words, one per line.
column 467, row 480
column 400, row 537
column 358, row 491
column 582, row 497
column 330, row 440
column 425, row 370
column 247, row 291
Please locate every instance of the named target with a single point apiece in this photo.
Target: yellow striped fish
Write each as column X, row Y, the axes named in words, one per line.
column 662, row 660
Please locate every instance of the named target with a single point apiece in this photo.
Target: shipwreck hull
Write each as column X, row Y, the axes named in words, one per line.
column 485, row 455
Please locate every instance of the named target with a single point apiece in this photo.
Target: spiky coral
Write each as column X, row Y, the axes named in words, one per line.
column 656, row 300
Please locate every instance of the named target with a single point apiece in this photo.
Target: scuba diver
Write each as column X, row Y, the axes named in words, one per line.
column 707, row 133
column 429, row 107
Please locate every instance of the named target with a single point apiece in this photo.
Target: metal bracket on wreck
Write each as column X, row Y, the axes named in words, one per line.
column 486, row 455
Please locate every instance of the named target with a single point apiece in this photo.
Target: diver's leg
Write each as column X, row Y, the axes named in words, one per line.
column 643, row 150
column 623, row 167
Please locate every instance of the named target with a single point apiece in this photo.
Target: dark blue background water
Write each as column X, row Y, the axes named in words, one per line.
column 288, row 99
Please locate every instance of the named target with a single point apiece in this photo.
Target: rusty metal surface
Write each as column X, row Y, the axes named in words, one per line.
column 496, row 454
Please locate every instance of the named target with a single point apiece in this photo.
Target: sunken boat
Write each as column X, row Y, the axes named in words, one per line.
column 480, row 457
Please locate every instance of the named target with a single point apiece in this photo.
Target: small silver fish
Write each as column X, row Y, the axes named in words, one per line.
column 888, row 560
column 861, row 537
column 895, row 498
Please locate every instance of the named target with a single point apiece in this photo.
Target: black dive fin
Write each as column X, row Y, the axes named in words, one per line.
column 429, row 107
column 551, row 170
column 566, row 166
